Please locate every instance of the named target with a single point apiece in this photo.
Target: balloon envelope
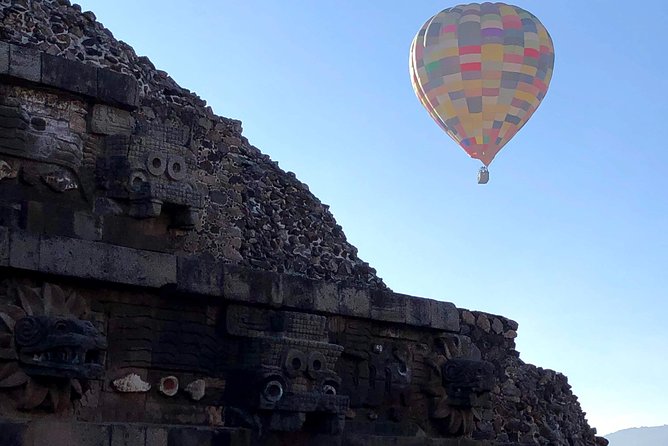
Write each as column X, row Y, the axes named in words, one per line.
column 481, row 71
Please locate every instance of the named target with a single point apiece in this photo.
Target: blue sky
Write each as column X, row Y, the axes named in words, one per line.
column 569, row 238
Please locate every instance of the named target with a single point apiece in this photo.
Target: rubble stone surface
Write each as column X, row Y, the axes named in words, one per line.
column 200, row 260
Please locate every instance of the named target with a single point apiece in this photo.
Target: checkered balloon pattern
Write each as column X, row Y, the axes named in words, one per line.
column 481, row 71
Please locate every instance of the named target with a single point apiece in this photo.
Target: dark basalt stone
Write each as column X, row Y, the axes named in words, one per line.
column 144, row 241
column 59, row 347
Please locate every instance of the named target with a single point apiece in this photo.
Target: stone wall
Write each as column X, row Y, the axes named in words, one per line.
column 532, row 405
column 166, row 340
column 253, row 213
column 189, row 341
column 163, row 282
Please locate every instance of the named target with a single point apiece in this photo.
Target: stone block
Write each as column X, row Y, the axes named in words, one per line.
column 53, row 433
column 326, row 297
column 25, row 63
column 121, row 407
column 510, row 334
column 50, row 217
column 107, row 120
column 245, row 285
column 444, row 316
column 355, row 302
column 11, row 214
column 459, row 442
column 391, row 440
column 418, row 311
column 298, row 292
column 387, row 440
column 85, row 226
column 482, row 321
column 387, row 306
column 88, row 434
column 116, row 230
column 4, row 246
column 198, row 436
column 200, row 275
column 70, row 75
column 23, row 250
column 156, row 436
column 497, row 326
column 128, row 435
column 117, row 88
column 66, row 433
column 4, row 57
column 189, row 436
column 232, row 437
column 12, row 433
column 468, row 317
column 100, row 261
column 235, row 285
column 511, row 324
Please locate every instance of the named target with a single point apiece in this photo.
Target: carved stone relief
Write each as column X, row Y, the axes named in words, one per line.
column 459, row 384
column 401, row 376
column 7, row 171
column 378, row 369
column 44, row 139
column 48, row 350
column 153, row 171
column 289, row 363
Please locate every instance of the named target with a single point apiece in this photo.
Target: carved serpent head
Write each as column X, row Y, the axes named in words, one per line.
column 59, row 347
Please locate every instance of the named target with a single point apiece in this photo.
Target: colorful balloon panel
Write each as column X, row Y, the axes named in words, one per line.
column 420, row 94
column 481, row 71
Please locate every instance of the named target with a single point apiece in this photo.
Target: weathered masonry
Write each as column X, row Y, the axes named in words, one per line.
column 163, row 282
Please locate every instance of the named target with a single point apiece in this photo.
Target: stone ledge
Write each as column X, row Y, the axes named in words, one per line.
column 203, row 275
column 67, row 433
column 382, row 440
column 102, row 84
column 89, row 260
column 68, row 75
column 296, row 292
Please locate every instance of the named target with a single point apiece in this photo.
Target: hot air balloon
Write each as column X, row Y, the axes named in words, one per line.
column 481, row 71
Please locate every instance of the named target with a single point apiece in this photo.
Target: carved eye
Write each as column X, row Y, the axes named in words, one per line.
column 60, row 326
column 38, row 124
column 330, row 388
column 402, row 369
column 316, row 363
column 449, row 371
column 176, row 168
column 295, row 362
column 156, row 164
column 137, row 180
column 28, row 331
column 273, row 390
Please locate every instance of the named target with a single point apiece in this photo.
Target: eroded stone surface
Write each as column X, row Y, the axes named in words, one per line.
column 131, row 383
column 210, row 265
column 196, row 389
column 49, row 350
column 7, row 171
column 241, row 206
